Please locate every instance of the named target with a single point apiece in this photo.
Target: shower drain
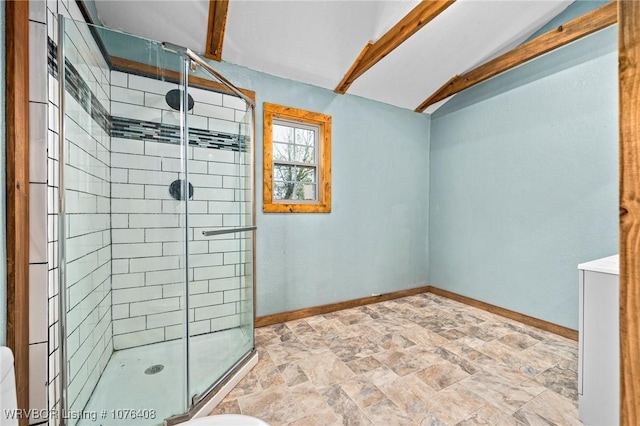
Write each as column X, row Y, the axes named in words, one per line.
column 154, row 369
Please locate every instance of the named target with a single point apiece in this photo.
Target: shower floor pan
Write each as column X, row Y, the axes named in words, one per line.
column 148, row 381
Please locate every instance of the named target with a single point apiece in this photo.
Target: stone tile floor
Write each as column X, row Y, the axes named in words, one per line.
column 419, row 360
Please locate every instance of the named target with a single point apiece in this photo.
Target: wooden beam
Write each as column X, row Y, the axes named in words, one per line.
column 17, row 192
column 343, row 85
column 571, row 31
column 419, row 16
column 215, row 33
column 629, row 149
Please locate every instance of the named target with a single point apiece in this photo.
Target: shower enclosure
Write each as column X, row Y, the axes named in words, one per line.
column 156, row 228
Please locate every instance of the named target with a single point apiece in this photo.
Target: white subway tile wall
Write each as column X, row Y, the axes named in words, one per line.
column 88, row 210
column 148, row 223
column 42, row 341
column 90, row 149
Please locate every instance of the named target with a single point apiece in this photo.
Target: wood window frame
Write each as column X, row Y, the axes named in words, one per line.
column 323, row 123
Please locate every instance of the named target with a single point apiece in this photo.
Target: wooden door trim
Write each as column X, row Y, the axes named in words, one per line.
column 629, row 93
column 17, row 192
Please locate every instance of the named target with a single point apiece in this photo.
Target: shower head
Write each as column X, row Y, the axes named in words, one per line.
column 174, row 97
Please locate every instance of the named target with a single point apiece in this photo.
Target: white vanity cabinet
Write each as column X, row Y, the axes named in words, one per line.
column 599, row 344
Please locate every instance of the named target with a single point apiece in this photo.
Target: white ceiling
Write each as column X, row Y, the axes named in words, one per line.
column 315, row 41
column 182, row 22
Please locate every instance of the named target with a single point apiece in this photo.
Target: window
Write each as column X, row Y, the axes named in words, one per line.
column 297, row 160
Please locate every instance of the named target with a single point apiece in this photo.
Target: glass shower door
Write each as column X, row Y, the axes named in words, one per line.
column 155, row 228
column 221, row 222
column 122, row 232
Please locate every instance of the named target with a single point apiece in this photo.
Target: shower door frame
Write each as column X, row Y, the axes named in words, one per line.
column 62, row 212
column 196, row 403
column 199, row 401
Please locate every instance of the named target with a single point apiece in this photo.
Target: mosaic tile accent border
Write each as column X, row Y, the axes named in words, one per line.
column 146, row 130
column 52, row 57
column 122, row 127
column 80, row 91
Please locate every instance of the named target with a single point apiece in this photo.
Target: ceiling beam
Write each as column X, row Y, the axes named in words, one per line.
column 573, row 30
column 215, row 33
column 372, row 53
column 344, row 85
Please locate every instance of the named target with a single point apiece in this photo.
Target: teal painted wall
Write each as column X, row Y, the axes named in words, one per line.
column 375, row 239
column 3, row 227
column 523, row 181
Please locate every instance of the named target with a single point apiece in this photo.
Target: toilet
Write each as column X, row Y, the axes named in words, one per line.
column 226, row 420
column 8, row 398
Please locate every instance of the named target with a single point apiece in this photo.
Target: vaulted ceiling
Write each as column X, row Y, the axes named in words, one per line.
column 317, row 42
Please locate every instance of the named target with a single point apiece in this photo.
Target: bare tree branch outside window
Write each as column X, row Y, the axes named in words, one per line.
column 295, row 167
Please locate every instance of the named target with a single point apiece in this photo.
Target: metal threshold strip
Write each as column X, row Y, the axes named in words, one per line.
column 228, row 231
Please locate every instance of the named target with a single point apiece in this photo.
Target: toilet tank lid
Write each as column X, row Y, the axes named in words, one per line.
column 6, row 362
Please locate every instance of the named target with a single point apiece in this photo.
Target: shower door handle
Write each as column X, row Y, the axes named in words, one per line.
column 228, row 231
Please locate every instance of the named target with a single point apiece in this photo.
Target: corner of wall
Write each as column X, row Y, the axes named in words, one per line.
column 427, row 241
column 523, row 181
